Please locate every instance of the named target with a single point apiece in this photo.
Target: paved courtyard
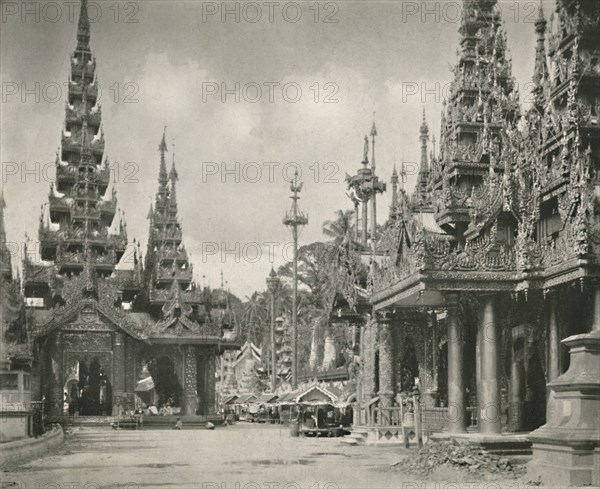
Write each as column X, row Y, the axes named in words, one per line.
column 235, row 457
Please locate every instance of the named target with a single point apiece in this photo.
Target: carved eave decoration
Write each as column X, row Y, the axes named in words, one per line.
column 89, row 311
column 177, row 325
column 347, row 278
column 185, row 330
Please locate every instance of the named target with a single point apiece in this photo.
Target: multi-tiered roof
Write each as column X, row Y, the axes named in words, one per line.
column 482, row 100
column 173, row 295
column 515, row 207
column 78, row 226
column 83, row 240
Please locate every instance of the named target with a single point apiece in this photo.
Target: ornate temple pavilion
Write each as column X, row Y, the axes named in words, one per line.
column 100, row 317
column 478, row 276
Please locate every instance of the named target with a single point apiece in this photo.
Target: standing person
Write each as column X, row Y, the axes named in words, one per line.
column 73, row 407
column 178, row 424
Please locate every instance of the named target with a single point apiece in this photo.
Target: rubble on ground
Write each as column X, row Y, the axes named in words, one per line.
column 459, row 455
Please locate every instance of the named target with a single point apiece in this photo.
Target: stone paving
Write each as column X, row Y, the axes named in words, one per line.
column 235, row 457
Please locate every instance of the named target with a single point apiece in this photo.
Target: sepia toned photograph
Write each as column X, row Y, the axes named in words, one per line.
column 313, row 244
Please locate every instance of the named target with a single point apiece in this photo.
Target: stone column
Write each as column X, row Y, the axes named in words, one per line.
column 456, row 387
column 489, row 409
column 368, row 359
column 130, row 366
column 190, row 367
column 365, row 218
column 386, row 366
column 553, row 340
column 517, row 381
column 359, row 375
column 210, row 383
column 428, row 372
column 118, row 387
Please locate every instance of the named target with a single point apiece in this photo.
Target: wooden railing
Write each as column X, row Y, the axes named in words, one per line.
column 372, row 414
column 432, row 419
column 387, row 416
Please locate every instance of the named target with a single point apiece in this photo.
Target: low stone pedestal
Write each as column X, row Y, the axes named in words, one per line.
column 566, row 450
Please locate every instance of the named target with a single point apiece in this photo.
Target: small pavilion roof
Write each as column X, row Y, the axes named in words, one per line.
column 245, row 398
column 230, row 399
column 266, row 398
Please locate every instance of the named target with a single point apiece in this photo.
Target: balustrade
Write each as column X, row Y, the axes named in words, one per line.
column 432, row 419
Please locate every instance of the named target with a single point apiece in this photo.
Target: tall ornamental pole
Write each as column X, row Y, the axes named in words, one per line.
column 272, row 281
column 293, row 219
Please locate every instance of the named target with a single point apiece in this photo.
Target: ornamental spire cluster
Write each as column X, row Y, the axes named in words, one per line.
column 422, row 196
column 482, row 100
column 169, row 273
column 81, row 227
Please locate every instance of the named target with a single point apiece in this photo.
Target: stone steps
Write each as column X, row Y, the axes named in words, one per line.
column 355, row 438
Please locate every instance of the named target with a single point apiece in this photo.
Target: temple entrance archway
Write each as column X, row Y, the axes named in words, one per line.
column 93, row 394
column 166, row 381
column 408, row 368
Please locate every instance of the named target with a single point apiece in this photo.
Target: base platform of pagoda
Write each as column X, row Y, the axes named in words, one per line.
column 505, row 444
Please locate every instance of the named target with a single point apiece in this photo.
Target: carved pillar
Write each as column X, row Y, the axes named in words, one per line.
column 516, row 416
column 56, row 391
column 368, row 359
column 210, row 383
column 130, row 367
column 456, row 385
column 386, row 363
column 428, row 373
column 190, row 367
column 358, row 373
column 489, row 408
column 118, row 386
column 365, row 218
column 553, row 340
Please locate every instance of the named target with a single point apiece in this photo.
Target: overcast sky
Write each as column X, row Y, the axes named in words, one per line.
column 160, row 62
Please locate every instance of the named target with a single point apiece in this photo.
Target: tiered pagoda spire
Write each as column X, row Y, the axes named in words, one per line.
column 482, row 100
column 565, row 118
column 422, row 197
column 168, row 269
column 78, row 224
column 394, row 182
column 5, row 258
